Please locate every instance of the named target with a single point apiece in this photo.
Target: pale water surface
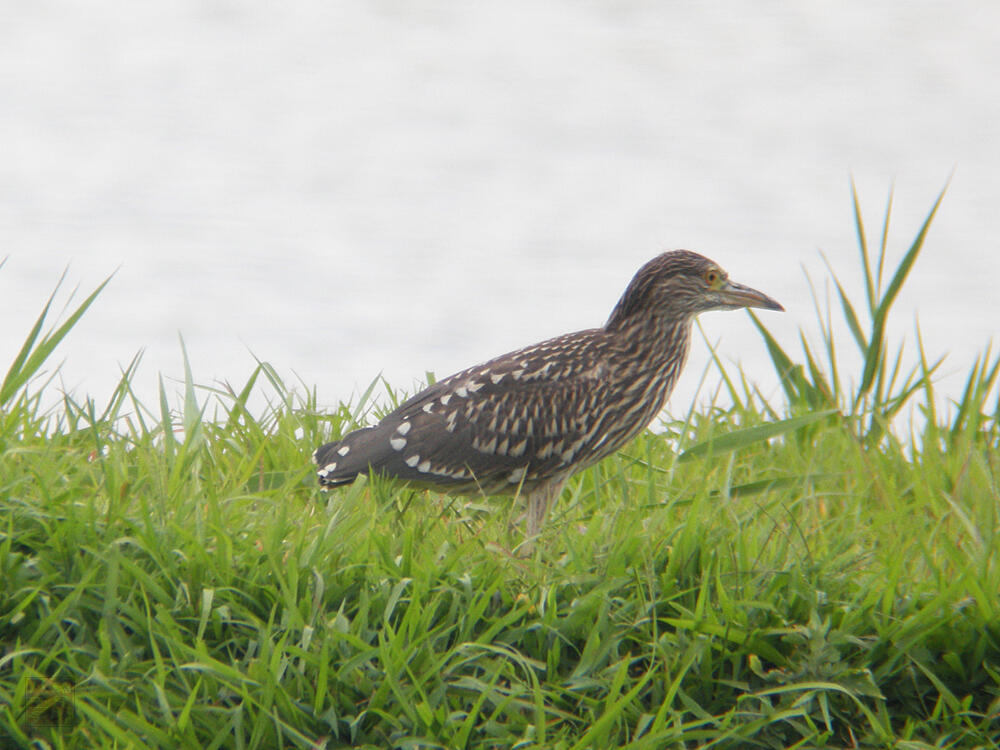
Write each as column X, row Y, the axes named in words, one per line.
column 347, row 188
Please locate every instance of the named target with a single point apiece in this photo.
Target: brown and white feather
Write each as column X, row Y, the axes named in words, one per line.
column 525, row 421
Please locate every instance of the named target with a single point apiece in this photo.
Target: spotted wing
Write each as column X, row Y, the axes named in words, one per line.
column 519, row 419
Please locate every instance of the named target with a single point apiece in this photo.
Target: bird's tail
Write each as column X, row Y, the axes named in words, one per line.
column 337, row 466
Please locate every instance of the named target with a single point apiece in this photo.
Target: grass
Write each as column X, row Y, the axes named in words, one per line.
column 790, row 575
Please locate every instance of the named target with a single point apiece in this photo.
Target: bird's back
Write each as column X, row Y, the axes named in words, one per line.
column 531, row 416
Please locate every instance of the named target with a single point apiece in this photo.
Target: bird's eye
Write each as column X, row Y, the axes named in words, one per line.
column 713, row 277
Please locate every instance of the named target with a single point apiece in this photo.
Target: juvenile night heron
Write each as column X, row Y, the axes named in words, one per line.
column 522, row 423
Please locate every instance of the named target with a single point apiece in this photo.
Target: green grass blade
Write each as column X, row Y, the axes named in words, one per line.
column 850, row 315
column 27, row 364
column 903, row 270
column 595, row 736
column 884, row 243
column 978, row 385
column 779, row 359
column 874, row 360
column 166, row 421
column 193, row 414
column 738, row 439
column 859, row 227
column 720, row 368
column 48, row 344
column 819, row 385
column 16, row 374
column 797, row 387
column 363, row 402
column 238, row 407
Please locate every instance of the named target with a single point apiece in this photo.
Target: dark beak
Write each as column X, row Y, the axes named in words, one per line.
column 736, row 295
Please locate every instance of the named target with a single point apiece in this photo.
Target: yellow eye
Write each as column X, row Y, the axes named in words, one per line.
column 713, row 277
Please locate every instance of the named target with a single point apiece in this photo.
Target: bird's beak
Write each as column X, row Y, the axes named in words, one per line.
column 735, row 295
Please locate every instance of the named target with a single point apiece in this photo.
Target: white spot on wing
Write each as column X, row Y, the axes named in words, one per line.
column 403, row 428
column 424, row 467
column 497, row 378
column 461, row 391
column 413, row 460
column 445, row 399
column 515, row 476
column 398, row 443
column 327, row 469
column 475, row 386
column 344, row 450
column 428, row 407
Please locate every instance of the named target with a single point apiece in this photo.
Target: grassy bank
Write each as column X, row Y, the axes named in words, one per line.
column 772, row 575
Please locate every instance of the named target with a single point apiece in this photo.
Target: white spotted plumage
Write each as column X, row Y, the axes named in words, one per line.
column 525, row 421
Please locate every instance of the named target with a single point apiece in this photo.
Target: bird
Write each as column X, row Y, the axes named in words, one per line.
column 522, row 423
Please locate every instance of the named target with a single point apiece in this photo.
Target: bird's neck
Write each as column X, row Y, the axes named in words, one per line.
column 655, row 347
column 648, row 354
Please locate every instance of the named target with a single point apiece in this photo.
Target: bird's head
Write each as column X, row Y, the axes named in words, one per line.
column 678, row 285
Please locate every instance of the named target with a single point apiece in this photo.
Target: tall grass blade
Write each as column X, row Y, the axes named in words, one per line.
column 977, row 387
column 723, row 371
column 363, row 404
column 850, row 314
column 238, row 408
column 166, row 421
column 798, row 390
column 731, row 441
column 884, row 244
column 859, row 227
column 819, row 383
column 34, row 352
column 193, row 414
column 874, row 360
column 9, row 387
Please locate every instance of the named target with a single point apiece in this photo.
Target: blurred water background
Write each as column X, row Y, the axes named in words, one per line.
column 355, row 187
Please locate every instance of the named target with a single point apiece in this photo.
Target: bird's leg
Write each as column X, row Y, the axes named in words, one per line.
column 538, row 507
